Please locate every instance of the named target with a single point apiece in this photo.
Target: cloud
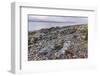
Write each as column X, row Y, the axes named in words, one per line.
column 38, row 22
column 38, row 17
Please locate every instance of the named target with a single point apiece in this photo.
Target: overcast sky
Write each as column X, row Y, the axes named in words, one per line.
column 38, row 22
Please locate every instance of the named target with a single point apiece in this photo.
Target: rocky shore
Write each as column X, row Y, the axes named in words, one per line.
column 66, row 42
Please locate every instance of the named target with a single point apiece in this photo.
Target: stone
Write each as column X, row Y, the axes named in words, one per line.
column 66, row 42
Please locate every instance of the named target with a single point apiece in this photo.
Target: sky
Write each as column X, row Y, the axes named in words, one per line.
column 37, row 22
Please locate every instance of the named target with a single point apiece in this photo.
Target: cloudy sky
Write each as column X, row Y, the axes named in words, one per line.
column 38, row 22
